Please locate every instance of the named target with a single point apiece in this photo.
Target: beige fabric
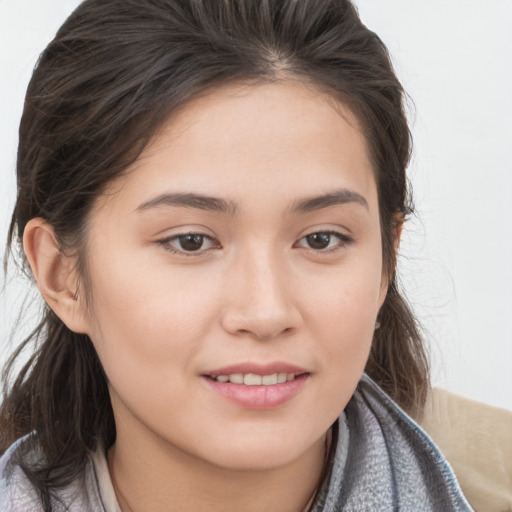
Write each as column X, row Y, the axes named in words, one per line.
column 477, row 441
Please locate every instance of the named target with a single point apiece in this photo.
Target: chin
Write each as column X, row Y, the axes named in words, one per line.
column 261, row 454
column 256, row 460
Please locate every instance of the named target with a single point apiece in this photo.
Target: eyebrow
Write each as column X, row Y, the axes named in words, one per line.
column 190, row 200
column 215, row 204
column 341, row 196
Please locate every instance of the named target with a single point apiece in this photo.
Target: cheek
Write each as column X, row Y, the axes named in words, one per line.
column 347, row 299
column 341, row 319
column 345, row 327
column 148, row 333
column 148, row 324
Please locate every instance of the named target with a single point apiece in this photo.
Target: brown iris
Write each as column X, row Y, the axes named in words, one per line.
column 191, row 242
column 319, row 240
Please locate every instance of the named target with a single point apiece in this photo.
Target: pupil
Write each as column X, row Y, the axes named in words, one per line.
column 319, row 240
column 191, row 242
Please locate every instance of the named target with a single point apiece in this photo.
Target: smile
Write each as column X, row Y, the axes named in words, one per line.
column 253, row 386
column 252, row 379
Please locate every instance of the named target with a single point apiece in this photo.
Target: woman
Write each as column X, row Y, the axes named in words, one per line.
column 210, row 199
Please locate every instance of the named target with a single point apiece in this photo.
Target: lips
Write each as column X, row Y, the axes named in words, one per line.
column 256, row 386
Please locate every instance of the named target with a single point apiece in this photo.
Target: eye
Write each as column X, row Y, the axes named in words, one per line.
column 323, row 241
column 189, row 243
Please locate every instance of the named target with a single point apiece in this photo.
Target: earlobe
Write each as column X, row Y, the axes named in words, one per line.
column 54, row 274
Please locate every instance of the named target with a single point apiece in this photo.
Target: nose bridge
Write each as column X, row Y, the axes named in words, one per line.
column 265, row 272
column 261, row 300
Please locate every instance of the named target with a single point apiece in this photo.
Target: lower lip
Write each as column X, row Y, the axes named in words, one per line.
column 258, row 397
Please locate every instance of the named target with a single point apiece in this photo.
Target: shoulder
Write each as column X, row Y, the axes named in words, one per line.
column 476, row 439
column 18, row 494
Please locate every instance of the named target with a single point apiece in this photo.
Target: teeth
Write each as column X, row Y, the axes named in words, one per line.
column 236, row 378
column 251, row 379
column 269, row 380
column 281, row 377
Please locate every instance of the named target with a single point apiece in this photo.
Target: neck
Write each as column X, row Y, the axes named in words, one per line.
column 163, row 480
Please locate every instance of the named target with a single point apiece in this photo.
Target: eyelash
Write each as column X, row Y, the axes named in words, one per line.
column 166, row 243
column 343, row 241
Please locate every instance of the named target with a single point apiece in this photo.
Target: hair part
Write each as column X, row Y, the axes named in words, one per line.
column 101, row 90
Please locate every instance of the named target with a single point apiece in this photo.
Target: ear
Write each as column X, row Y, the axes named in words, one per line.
column 396, row 235
column 54, row 273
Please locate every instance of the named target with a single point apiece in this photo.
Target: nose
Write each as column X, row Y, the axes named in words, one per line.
column 260, row 302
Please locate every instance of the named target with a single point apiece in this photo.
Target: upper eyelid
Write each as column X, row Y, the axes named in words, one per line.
column 212, row 237
column 343, row 242
column 340, row 234
column 327, row 227
column 186, row 233
column 166, row 243
column 343, row 237
column 185, row 229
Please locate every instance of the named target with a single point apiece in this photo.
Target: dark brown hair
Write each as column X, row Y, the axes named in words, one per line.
column 113, row 74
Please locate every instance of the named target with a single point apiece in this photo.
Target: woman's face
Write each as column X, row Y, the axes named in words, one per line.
column 236, row 275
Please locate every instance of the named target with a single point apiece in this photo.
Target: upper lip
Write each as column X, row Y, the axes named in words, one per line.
column 257, row 369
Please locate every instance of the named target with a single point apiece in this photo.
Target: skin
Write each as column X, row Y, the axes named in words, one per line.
column 255, row 291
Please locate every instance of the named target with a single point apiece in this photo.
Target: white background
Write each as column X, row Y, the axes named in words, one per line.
column 454, row 59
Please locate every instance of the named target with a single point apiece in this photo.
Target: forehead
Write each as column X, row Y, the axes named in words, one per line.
column 249, row 138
